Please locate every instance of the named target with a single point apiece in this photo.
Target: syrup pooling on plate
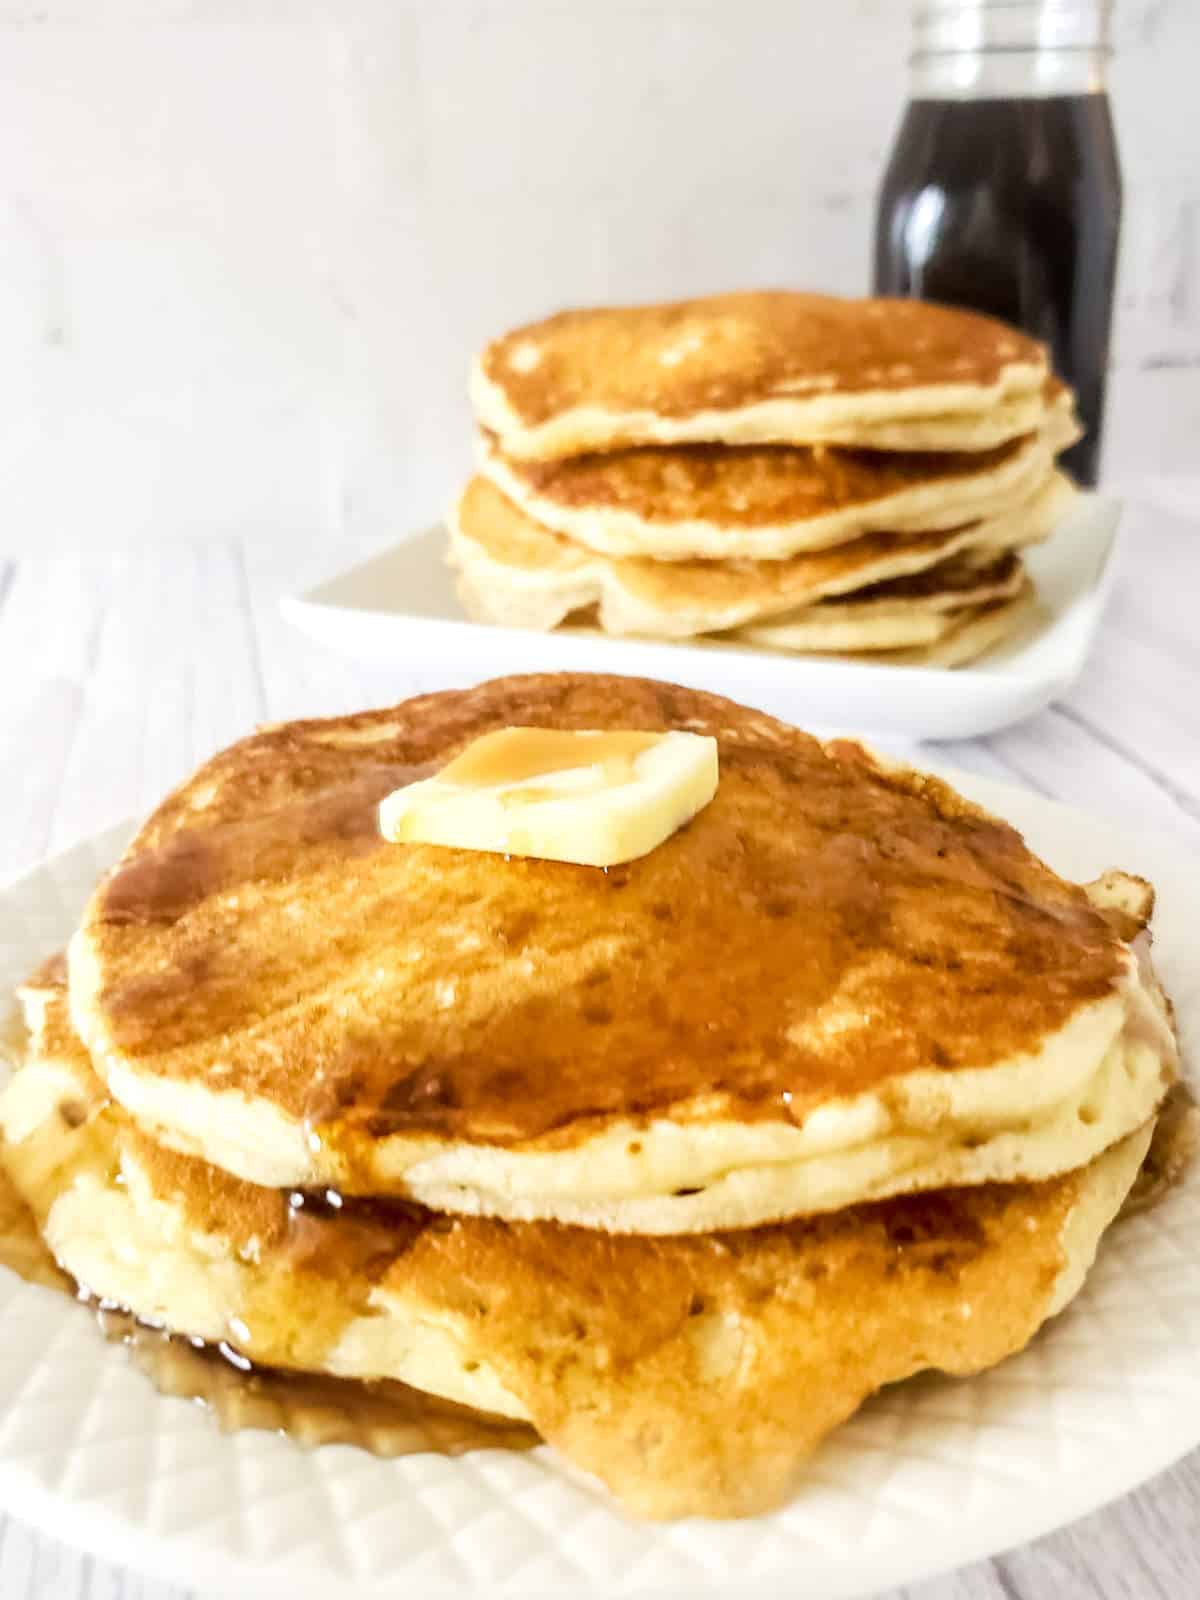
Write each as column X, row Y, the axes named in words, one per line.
column 383, row 1417
column 316, row 1260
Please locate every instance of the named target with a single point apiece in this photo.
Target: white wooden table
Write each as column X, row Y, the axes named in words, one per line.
column 120, row 671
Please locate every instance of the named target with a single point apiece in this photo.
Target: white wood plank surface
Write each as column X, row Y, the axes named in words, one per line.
column 121, row 671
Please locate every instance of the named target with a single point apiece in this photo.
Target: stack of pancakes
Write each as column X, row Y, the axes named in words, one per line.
column 787, row 470
column 679, row 1161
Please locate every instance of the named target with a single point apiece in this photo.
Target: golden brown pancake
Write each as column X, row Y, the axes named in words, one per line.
column 835, row 957
column 967, row 579
column 972, row 578
column 769, row 501
column 517, row 573
column 936, row 630
column 758, row 367
column 693, row 1375
column 971, row 635
column 1173, row 1150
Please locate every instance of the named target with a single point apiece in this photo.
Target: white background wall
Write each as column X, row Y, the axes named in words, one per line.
column 247, row 246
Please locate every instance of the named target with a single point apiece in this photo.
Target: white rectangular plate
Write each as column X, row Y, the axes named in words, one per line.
column 400, row 607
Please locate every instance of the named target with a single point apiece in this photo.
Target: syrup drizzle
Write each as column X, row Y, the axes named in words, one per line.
column 522, row 755
column 383, row 1417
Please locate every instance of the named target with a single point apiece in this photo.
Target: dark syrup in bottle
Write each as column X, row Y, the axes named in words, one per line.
column 1010, row 204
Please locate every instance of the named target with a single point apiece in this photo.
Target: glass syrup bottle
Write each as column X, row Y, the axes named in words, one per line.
column 1003, row 192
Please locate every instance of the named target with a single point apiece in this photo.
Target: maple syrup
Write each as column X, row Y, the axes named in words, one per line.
column 519, row 755
column 383, row 1417
column 1003, row 192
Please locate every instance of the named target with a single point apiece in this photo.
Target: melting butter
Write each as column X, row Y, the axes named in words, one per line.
column 517, row 755
column 593, row 797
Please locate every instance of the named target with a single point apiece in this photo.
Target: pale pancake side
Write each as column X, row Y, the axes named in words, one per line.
column 693, row 1376
column 913, row 610
column 973, row 636
column 185, row 1246
column 968, row 430
column 841, row 631
column 718, row 502
column 860, row 981
column 971, row 578
column 758, row 367
column 516, row 573
column 932, row 637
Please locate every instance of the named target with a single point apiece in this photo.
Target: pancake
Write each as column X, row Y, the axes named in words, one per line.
column 964, row 431
column 764, row 367
column 768, row 502
column 516, row 573
column 900, row 634
column 838, row 982
column 904, row 612
column 974, row 635
column 693, row 1376
column 1173, row 1150
column 843, row 633
column 972, row 578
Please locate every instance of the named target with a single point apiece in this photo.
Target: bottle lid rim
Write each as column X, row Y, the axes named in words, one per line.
column 995, row 27
column 1101, row 9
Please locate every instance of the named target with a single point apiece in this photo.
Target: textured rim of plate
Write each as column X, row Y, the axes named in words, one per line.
column 931, row 1475
column 1021, row 686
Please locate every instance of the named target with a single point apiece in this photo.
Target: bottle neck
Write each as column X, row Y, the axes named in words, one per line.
column 1009, row 49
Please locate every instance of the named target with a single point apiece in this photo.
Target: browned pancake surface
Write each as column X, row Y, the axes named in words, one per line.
column 510, row 537
column 261, row 936
column 733, row 350
column 962, row 575
column 748, row 486
column 693, row 1374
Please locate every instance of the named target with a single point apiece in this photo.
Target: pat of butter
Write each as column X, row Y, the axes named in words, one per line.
column 595, row 798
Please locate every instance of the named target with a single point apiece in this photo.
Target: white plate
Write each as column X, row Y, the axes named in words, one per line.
column 931, row 1474
column 400, row 607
